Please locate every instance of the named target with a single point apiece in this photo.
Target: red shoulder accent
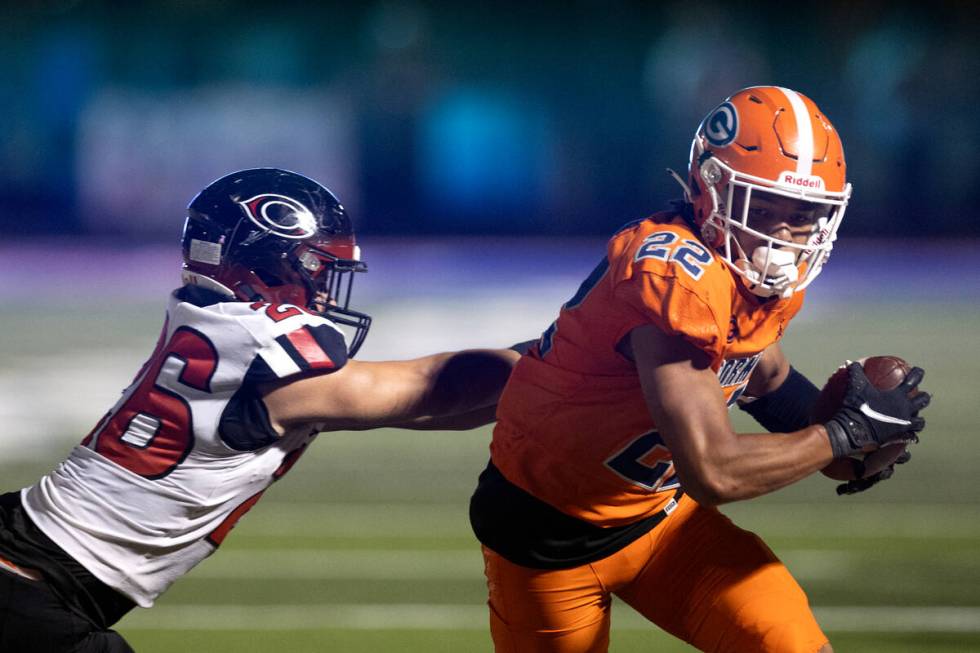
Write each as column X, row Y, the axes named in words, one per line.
column 307, row 347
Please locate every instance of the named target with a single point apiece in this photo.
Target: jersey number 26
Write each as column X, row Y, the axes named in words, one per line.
column 152, row 430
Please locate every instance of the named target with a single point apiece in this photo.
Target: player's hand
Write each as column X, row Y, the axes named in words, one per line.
column 862, row 484
column 870, row 417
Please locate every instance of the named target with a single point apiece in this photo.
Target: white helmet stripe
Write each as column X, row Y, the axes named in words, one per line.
column 804, row 131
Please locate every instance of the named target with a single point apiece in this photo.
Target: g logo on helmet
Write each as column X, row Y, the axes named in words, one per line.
column 281, row 215
column 721, row 125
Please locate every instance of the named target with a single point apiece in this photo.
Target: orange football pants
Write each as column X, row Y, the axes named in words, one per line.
column 697, row 576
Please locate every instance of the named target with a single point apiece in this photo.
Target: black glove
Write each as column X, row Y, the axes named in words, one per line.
column 869, row 416
column 862, row 484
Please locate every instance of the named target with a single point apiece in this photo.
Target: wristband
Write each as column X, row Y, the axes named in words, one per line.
column 787, row 408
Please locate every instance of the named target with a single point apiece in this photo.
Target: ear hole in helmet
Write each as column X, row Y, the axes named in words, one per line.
column 711, row 173
column 310, row 262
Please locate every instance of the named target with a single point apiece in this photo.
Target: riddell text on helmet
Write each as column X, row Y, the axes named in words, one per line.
column 803, row 181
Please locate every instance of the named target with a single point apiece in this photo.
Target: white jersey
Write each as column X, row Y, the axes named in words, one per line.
column 188, row 449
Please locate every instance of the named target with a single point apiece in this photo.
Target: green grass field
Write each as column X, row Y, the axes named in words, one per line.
column 365, row 545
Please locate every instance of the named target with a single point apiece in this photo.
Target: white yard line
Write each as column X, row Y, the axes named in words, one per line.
column 890, row 619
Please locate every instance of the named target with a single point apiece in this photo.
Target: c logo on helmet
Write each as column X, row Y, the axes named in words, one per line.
column 721, row 125
column 281, row 215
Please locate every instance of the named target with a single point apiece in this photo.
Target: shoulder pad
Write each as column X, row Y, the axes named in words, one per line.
column 670, row 278
column 294, row 341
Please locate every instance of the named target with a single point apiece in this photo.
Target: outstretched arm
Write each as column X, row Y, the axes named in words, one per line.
column 442, row 391
column 471, row 419
column 455, row 422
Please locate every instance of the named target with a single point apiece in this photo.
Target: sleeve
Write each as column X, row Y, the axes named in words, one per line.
column 296, row 345
column 653, row 290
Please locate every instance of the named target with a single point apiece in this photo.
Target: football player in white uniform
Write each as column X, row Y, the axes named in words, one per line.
column 251, row 364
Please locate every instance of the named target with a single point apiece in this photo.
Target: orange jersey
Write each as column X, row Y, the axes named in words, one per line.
column 573, row 428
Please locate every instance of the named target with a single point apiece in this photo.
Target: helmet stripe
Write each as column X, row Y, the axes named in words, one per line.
column 804, row 133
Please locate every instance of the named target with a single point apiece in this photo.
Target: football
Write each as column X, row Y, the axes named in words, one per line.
column 885, row 372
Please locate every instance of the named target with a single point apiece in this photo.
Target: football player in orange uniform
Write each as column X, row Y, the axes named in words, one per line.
column 613, row 445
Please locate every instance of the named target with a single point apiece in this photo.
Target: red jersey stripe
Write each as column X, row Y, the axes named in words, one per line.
column 307, row 347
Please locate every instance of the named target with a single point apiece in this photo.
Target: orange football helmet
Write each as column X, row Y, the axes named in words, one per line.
column 767, row 139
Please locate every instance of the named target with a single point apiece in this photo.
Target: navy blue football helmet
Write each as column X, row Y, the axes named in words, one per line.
column 272, row 235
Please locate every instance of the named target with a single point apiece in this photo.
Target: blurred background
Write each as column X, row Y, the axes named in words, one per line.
column 485, row 150
column 471, row 118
